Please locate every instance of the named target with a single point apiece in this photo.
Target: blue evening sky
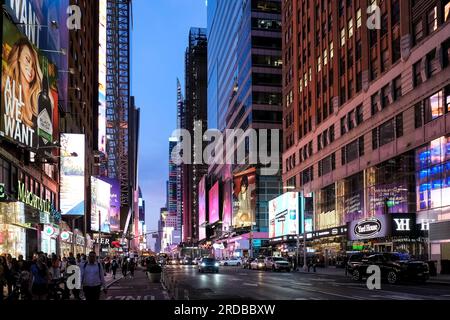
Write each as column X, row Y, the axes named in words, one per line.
column 160, row 35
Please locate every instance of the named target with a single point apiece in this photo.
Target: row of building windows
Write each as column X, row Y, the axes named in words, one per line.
column 387, row 132
column 325, row 138
column 352, row 120
column 432, row 107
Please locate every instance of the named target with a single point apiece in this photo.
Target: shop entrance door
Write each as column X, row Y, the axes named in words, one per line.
column 383, row 247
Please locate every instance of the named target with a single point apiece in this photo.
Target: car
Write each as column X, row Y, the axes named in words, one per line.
column 196, row 261
column 257, row 264
column 232, row 262
column 208, row 264
column 246, row 263
column 277, row 264
column 394, row 267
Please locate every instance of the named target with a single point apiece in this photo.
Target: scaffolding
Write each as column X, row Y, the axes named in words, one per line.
column 119, row 19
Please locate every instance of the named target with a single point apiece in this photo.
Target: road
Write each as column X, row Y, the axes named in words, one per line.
column 237, row 284
column 138, row 288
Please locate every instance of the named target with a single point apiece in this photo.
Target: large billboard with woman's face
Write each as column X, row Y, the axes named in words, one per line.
column 202, row 209
column 29, row 94
column 244, row 199
column 214, row 206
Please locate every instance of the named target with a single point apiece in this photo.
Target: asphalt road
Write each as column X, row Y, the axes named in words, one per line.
column 237, row 284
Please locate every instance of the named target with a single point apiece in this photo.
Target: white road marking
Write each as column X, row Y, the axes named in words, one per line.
column 250, row 284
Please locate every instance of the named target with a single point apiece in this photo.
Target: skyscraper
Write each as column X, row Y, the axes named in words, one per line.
column 244, row 92
column 366, row 96
column 194, row 110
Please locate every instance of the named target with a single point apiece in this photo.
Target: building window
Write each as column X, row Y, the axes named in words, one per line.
column 385, row 96
column 358, row 50
column 395, row 5
column 432, row 20
column 387, row 132
column 375, row 139
column 358, row 18
column 447, row 11
column 374, row 103
column 350, row 28
column 342, row 37
column 331, row 134
column 343, row 127
column 397, row 88
column 384, row 25
column 418, row 115
column 359, row 115
column 399, row 125
column 418, row 31
column 417, row 73
column 350, row 123
column 432, row 63
column 434, row 106
column 319, row 64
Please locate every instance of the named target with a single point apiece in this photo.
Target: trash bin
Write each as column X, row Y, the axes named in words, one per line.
column 432, row 268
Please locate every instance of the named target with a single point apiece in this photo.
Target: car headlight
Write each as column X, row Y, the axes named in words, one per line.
column 260, row 264
column 203, row 264
column 216, row 264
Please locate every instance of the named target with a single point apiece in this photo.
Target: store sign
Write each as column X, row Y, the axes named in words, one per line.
column 33, row 200
column 49, row 231
column 218, row 246
column 65, row 236
column 102, row 241
column 376, row 227
column 403, row 224
column 368, row 228
column 80, row 241
column 332, row 232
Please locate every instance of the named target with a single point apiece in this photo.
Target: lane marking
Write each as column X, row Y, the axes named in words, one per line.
column 250, row 284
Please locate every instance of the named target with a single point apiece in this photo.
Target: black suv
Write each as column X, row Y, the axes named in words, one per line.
column 394, row 267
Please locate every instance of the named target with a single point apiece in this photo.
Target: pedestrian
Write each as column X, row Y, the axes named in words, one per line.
column 309, row 264
column 2, row 276
column 124, row 268
column 71, row 261
column 9, row 273
column 92, row 278
column 114, row 267
column 40, row 279
column 131, row 267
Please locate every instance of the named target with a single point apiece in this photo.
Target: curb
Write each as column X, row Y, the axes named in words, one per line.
column 113, row 282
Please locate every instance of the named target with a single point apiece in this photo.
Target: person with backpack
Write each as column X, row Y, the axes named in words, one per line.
column 92, row 278
column 114, row 267
column 132, row 267
column 125, row 267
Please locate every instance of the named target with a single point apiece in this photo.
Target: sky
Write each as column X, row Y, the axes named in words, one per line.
column 159, row 40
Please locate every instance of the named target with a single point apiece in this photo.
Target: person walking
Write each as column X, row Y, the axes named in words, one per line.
column 124, row 268
column 92, row 278
column 114, row 267
column 132, row 267
column 2, row 276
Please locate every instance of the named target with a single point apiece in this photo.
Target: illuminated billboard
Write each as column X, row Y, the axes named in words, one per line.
column 29, row 94
column 227, row 208
column 100, row 205
column 102, row 77
column 114, row 209
column 72, row 174
column 202, row 209
column 284, row 212
column 213, row 202
column 244, row 199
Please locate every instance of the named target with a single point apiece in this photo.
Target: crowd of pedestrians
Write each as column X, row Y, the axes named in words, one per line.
column 44, row 277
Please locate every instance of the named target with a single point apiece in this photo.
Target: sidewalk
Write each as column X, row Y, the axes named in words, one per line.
column 441, row 279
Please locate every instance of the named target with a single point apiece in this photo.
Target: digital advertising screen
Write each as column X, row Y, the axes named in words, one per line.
column 214, row 207
column 29, row 95
column 202, row 208
column 284, row 212
column 72, row 163
column 100, row 205
column 244, row 199
column 114, row 209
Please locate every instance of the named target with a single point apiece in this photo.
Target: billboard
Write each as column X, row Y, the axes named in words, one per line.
column 114, row 209
column 202, row 209
column 29, row 95
column 284, row 213
column 72, row 174
column 244, row 199
column 227, row 208
column 102, row 77
column 100, row 205
column 44, row 23
column 213, row 201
